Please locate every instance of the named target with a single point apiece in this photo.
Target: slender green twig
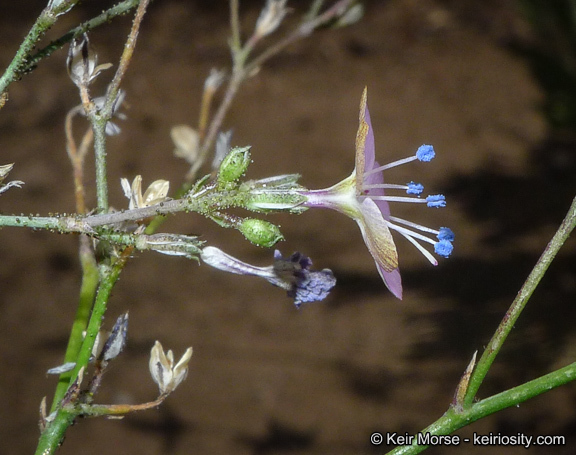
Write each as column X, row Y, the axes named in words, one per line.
column 304, row 30
column 204, row 203
column 24, row 61
column 125, row 59
column 452, row 421
column 103, row 18
column 90, row 279
column 235, row 41
column 99, row 128
column 19, row 65
column 242, row 69
column 519, row 303
column 100, row 118
column 56, row 427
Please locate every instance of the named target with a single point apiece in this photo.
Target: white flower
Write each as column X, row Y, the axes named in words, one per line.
column 163, row 371
column 154, row 194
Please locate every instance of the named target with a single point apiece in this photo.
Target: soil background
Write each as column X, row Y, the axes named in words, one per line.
column 266, row 378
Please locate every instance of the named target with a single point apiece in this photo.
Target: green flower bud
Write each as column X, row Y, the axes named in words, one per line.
column 234, row 165
column 260, row 232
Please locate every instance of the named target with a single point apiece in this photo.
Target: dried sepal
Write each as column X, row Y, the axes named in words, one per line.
column 73, row 391
column 223, row 142
column 171, row 244
column 214, row 79
column 4, row 171
column 163, row 371
column 42, row 423
column 350, row 16
column 462, row 388
column 59, row 7
column 64, row 368
column 187, row 141
column 271, row 17
column 82, row 62
column 116, row 340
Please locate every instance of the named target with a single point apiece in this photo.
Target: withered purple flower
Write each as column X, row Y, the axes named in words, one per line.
column 361, row 196
column 294, row 274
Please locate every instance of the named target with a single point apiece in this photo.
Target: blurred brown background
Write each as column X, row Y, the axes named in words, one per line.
column 266, row 378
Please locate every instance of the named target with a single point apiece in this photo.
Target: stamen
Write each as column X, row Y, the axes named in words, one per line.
column 443, row 248
column 390, row 165
column 389, row 186
column 416, row 226
column 399, row 199
column 425, row 153
column 422, row 250
column 446, row 234
column 436, row 200
column 408, row 233
column 415, row 188
column 411, row 188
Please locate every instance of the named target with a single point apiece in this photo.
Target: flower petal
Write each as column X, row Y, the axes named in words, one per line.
column 377, row 236
column 392, row 280
column 364, row 142
column 156, row 192
column 377, row 179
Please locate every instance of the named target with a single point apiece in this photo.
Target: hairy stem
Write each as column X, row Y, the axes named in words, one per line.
column 125, row 59
column 24, row 61
column 99, row 119
column 19, row 64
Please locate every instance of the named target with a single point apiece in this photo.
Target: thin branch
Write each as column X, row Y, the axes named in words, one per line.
column 511, row 316
column 126, row 58
column 101, row 118
column 23, row 62
column 242, row 70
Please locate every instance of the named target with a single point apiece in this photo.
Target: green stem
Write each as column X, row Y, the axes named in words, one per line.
column 90, row 278
column 19, row 64
column 235, row 41
column 519, row 303
column 100, row 119
column 452, row 421
column 56, row 428
column 104, row 18
column 23, row 62
column 204, row 203
column 125, row 60
column 99, row 127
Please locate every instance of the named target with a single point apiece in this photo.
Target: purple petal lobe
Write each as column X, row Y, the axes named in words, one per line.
column 392, row 280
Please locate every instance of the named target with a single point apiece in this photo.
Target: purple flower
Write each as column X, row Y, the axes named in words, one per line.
column 292, row 274
column 361, row 196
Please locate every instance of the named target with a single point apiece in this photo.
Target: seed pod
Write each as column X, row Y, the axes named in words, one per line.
column 260, row 232
column 234, row 165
